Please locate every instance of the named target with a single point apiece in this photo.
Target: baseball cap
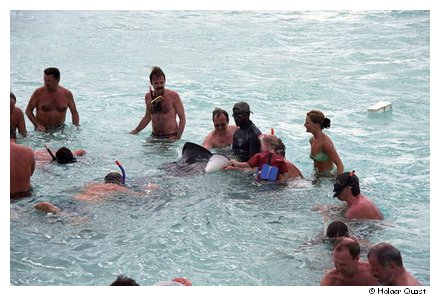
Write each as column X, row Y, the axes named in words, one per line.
column 242, row 107
column 343, row 180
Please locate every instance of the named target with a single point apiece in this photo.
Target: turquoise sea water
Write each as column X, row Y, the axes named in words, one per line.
column 221, row 228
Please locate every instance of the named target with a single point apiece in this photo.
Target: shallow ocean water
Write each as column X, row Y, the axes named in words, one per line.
column 221, row 228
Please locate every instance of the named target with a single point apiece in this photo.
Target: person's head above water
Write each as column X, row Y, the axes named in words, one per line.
column 113, row 177
column 122, row 280
column 346, row 179
column 271, row 142
column 281, row 148
column 64, row 155
column 241, row 112
column 337, row 229
column 317, row 117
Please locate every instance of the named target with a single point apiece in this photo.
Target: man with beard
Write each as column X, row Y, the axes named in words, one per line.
column 162, row 107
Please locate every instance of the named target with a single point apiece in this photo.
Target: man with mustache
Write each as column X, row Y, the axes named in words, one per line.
column 163, row 105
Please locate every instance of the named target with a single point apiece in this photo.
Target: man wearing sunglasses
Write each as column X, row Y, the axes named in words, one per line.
column 245, row 142
column 223, row 133
column 346, row 188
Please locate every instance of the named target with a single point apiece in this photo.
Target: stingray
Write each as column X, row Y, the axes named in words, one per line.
column 196, row 160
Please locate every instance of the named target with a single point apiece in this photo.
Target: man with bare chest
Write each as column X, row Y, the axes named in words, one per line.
column 163, row 105
column 223, row 133
column 51, row 102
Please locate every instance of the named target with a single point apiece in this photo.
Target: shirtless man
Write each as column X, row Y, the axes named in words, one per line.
column 349, row 270
column 387, row 266
column 223, row 133
column 346, row 189
column 51, row 101
column 17, row 117
column 162, row 107
column 22, row 166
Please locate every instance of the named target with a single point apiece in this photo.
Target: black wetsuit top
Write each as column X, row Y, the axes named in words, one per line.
column 246, row 142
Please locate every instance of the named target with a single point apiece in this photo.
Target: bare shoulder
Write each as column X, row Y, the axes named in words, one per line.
column 173, row 94
column 329, row 279
column 40, row 90
column 17, row 111
column 65, row 91
column 232, row 128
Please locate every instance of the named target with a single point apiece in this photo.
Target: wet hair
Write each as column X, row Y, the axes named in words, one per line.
column 53, row 71
column 386, row 253
column 113, row 177
column 337, row 229
column 350, row 244
column 281, row 148
column 269, row 140
column 155, row 73
column 12, row 96
column 64, row 155
column 317, row 116
column 347, row 179
column 122, row 280
column 218, row 111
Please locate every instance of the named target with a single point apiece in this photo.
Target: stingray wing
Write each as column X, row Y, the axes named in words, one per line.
column 192, row 152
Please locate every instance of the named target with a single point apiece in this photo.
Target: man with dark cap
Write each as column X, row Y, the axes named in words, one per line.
column 346, row 189
column 245, row 143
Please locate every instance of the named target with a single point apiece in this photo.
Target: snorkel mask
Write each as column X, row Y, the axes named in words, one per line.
column 156, row 102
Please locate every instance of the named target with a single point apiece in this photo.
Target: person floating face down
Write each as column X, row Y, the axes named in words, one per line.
column 346, row 188
column 62, row 156
column 245, row 141
column 113, row 183
column 271, row 166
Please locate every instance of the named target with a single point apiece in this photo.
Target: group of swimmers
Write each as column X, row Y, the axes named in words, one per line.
column 251, row 149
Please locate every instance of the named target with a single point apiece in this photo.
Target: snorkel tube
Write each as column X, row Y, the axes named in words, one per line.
column 122, row 171
column 50, row 152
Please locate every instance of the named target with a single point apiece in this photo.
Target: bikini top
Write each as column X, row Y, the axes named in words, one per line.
column 320, row 157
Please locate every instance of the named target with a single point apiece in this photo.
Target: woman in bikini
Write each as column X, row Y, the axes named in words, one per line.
column 322, row 150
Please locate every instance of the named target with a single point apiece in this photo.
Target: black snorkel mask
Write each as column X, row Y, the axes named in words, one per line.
column 50, row 152
column 64, row 159
column 344, row 180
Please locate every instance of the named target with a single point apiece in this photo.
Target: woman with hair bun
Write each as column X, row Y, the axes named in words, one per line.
column 322, row 150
